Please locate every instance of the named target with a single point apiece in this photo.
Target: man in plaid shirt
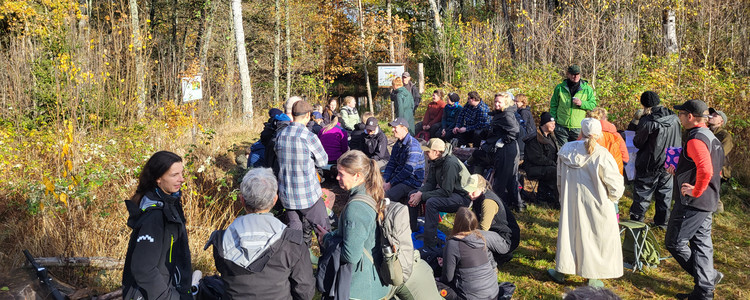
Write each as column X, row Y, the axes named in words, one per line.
column 472, row 121
column 405, row 169
column 299, row 151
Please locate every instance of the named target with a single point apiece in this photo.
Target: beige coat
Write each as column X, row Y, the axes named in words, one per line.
column 588, row 239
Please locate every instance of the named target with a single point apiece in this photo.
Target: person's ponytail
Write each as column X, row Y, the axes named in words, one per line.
column 374, row 187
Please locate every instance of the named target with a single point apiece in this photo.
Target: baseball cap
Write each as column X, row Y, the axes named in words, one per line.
column 574, row 69
column 695, row 107
column 406, row 74
column 718, row 112
column 317, row 115
column 371, row 124
column 434, row 144
column 399, row 121
column 473, row 183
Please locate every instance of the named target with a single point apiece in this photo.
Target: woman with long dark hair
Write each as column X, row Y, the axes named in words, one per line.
column 157, row 264
column 467, row 269
column 330, row 110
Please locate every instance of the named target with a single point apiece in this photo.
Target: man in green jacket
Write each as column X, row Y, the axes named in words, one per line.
column 570, row 101
column 442, row 191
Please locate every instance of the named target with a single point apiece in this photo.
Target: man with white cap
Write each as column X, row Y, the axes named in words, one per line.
column 588, row 239
column 442, row 191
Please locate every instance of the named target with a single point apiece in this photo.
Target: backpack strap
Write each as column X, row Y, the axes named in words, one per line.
column 370, row 202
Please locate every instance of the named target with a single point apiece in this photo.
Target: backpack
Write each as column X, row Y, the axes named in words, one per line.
column 521, row 123
column 394, row 239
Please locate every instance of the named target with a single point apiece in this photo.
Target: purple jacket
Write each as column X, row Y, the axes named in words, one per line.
column 335, row 142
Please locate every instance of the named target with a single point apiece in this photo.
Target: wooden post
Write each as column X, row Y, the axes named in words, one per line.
column 420, row 70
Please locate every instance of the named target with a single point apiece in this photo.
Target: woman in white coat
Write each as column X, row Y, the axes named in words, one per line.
column 588, row 239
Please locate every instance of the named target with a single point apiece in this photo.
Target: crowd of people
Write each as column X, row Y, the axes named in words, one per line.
column 574, row 154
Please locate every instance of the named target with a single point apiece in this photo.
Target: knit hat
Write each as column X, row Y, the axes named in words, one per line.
column 274, row 112
column 591, row 126
column 649, row 99
column 546, row 118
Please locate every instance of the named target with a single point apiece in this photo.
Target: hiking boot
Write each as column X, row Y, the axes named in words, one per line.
column 659, row 226
column 596, row 283
column 720, row 207
column 556, row 276
column 718, row 278
column 634, row 217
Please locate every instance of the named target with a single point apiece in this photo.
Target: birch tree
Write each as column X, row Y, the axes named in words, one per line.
column 239, row 37
column 138, row 47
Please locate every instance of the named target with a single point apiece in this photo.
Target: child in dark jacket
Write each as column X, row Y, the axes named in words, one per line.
column 467, row 270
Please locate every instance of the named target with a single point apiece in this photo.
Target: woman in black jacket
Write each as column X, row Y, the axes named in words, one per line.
column 540, row 162
column 157, row 264
column 505, row 130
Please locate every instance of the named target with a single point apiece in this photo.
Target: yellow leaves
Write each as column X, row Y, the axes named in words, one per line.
column 49, row 187
column 63, row 198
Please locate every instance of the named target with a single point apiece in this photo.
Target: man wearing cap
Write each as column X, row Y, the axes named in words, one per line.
column 442, row 191
column 697, row 182
column 657, row 129
column 314, row 124
column 299, row 151
column 717, row 122
column 375, row 143
column 540, row 162
column 570, row 101
column 450, row 113
column 412, row 88
column 405, row 169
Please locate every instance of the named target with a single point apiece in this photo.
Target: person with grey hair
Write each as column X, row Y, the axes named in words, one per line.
column 257, row 255
column 289, row 104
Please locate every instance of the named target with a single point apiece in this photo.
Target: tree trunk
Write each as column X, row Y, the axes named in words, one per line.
column 670, row 31
column 239, row 37
column 288, row 54
column 436, row 16
column 277, row 53
column 364, row 53
column 389, row 20
column 138, row 47
column 207, row 37
column 509, row 31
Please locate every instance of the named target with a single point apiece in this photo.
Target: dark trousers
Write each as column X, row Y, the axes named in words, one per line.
column 433, row 207
column 474, row 137
column 660, row 186
column 399, row 192
column 505, row 184
column 499, row 247
column 688, row 239
column 433, row 131
column 307, row 219
column 564, row 134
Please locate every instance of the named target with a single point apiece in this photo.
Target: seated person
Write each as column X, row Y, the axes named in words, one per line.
column 277, row 121
column 405, row 169
column 349, row 115
column 357, row 136
column 315, row 122
column 335, row 140
column 526, row 123
column 433, row 116
column 441, row 192
column 450, row 113
column 375, row 143
column 467, row 268
column 257, row 255
column 473, row 120
column 497, row 224
column 541, row 160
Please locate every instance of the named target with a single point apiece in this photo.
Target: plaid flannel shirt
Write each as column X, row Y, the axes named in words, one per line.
column 299, row 151
column 474, row 117
column 406, row 164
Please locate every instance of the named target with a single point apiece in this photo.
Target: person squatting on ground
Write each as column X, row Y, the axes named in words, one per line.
column 258, row 256
column 467, row 270
column 157, row 262
column 588, row 239
column 299, row 151
column 405, row 170
column 570, row 101
column 657, row 129
column 502, row 140
column 403, row 104
column 450, row 113
column 473, row 120
column 433, row 116
column 697, row 182
column 441, row 192
column 540, row 162
column 497, row 224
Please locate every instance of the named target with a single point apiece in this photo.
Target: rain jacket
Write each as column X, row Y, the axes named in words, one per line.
column 562, row 108
column 157, row 264
column 656, row 131
column 588, row 239
column 447, row 176
column 403, row 104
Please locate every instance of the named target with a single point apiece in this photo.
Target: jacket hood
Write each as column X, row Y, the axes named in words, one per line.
column 473, row 241
column 249, row 236
column 664, row 116
column 155, row 200
column 573, row 154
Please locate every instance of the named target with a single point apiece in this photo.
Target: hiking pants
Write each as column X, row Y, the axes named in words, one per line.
column 505, row 184
column 688, row 239
column 564, row 134
column 306, row 219
column 660, row 186
column 433, row 207
column 399, row 193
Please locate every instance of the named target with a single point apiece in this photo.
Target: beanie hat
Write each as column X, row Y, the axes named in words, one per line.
column 546, row 118
column 649, row 99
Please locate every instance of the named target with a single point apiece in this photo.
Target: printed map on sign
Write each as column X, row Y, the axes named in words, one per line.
column 388, row 72
column 192, row 89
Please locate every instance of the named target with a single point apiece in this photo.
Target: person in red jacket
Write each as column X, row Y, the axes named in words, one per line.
column 433, row 117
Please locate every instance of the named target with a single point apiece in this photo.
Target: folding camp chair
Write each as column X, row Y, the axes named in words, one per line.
column 639, row 246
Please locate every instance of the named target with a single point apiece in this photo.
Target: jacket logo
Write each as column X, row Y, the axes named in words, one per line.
column 145, row 238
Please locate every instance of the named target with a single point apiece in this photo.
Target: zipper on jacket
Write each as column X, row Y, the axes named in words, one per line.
column 171, row 244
